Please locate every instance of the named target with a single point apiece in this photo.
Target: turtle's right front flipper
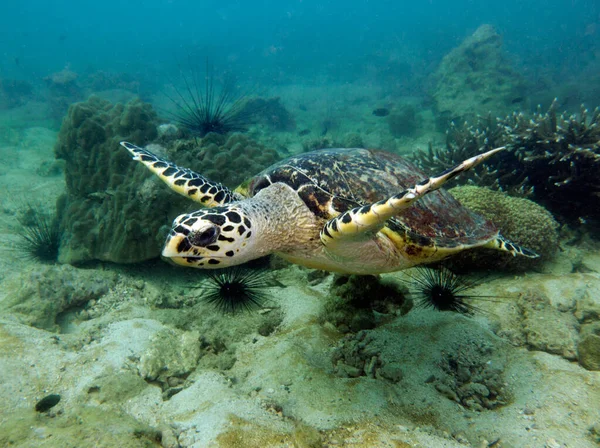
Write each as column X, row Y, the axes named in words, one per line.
column 183, row 180
column 363, row 222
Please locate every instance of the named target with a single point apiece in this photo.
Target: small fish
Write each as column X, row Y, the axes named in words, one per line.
column 47, row 403
column 381, row 112
column 304, row 132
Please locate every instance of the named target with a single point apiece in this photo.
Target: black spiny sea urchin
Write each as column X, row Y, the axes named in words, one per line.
column 236, row 289
column 40, row 233
column 442, row 290
column 206, row 109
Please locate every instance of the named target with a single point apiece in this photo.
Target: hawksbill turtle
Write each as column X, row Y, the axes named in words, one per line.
column 352, row 211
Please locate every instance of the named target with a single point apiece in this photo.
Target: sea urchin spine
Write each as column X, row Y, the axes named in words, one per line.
column 236, row 289
column 441, row 289
column 40, row 233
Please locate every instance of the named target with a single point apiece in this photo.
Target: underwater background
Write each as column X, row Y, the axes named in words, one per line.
column 103, row 343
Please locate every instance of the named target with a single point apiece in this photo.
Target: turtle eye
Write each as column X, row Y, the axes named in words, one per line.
column 205, row 237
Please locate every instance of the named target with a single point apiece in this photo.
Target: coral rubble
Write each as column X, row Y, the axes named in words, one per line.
column 588, row 348
column 51, row 291
column 359, row 302
column 470, row 379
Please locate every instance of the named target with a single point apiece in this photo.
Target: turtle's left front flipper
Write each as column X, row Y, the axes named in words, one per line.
column 183, row 180
column 366, row 220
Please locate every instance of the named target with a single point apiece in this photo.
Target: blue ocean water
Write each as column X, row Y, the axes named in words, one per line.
column 276, row 40
column 103, row 343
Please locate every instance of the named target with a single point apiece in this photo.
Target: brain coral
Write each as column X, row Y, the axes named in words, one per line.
column 520, row 220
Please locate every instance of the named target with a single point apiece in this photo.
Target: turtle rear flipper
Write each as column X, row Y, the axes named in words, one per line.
column 366, row 220
column 503, row 244
column 183, row 180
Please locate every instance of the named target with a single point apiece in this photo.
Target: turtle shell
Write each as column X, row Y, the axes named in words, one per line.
column 331, row 181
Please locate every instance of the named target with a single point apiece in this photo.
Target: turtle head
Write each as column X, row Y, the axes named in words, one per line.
column 211, row 238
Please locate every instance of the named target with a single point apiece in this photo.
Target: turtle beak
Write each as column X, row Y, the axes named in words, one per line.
column 174, row 246
column 177, row 249
column 179, row 261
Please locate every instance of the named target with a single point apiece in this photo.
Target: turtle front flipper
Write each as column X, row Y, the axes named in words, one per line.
column 183, row 180
column 367, row 220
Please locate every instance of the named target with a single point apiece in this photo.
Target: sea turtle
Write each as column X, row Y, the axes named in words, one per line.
column 353, row 211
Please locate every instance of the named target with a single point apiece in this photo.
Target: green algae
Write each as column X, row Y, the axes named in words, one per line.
column 39, row 297
column 82, row 426
column 172, row 353
column 116, row 387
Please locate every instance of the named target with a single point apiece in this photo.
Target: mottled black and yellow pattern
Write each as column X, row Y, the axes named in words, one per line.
column 372, row 217
column 346, row 210
column 230, row 225
column 340, row 184
column 501, row 243
column 183, row 180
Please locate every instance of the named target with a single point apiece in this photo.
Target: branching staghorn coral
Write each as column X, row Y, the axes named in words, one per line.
column 466, row 140
column 565, row 146
column 553, row 158
column 560, row 154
